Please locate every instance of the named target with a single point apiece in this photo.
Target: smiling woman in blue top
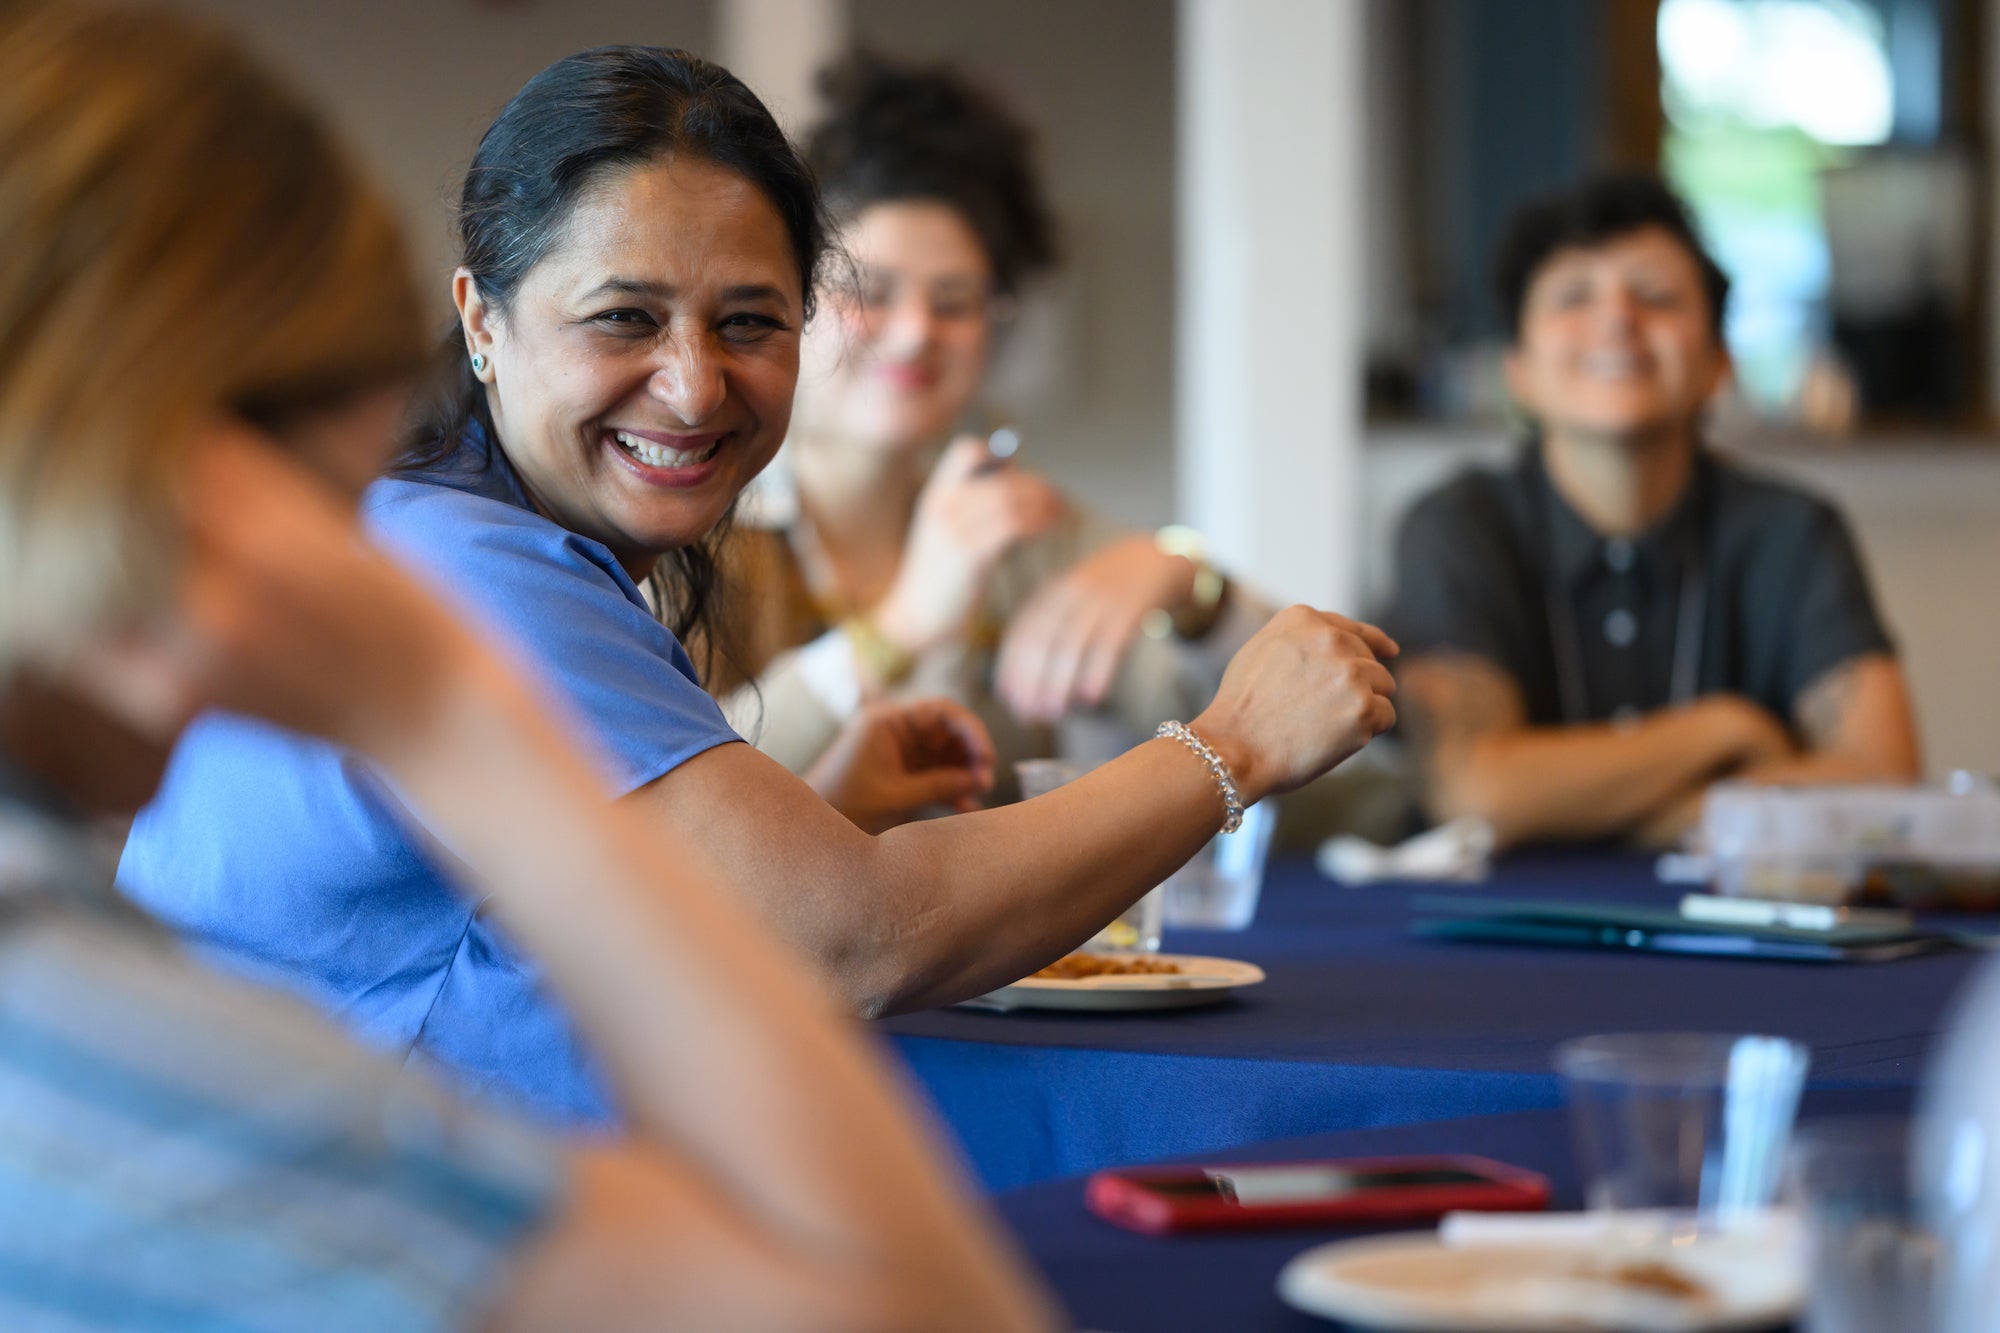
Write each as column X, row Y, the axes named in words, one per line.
column 641, row 248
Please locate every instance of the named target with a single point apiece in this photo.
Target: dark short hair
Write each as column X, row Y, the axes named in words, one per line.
column 577, row 122
column 1601, row 209
column 897, row 133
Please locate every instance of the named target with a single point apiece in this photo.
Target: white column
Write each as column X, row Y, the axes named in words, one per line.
column 1269, row 356
column 777, row 46
column 1990, row 109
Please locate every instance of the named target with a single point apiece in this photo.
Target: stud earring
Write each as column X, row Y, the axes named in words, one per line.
column 479, row 363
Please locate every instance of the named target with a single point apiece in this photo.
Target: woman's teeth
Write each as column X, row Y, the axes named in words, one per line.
column 658, row 455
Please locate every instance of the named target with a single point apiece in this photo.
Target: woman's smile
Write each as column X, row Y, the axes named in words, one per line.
column 910, row 377
column 662, row 459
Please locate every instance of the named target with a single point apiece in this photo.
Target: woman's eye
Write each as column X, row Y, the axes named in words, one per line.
column 750, row 328
column 625, row 320
column 954, row 308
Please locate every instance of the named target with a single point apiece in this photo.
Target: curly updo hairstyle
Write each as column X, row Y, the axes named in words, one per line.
column 898, row 133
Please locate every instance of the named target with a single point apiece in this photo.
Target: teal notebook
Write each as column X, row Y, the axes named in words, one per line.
column 1582, row 925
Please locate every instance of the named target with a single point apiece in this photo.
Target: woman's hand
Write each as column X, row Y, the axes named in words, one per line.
column 285, row 613
column 1305, row 693
column 971, row 511
column 893, row 759
column 1064, row 648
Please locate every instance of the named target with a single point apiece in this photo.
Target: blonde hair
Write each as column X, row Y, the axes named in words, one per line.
column 179, row 238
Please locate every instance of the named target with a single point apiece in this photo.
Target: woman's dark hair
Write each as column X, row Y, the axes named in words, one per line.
column 1601, row 209
column 895, row 133
column 581, row 119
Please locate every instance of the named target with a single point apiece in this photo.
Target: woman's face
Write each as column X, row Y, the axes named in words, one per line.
column 1616, row 341
column 643, row 373
column 904, row 352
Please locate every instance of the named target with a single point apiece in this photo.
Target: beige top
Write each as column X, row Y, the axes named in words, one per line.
column 771, row 614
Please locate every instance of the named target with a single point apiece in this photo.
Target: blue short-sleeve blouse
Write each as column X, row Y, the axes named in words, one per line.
column 290, row 860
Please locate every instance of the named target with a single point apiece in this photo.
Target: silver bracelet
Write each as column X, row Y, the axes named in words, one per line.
column 1232, row 804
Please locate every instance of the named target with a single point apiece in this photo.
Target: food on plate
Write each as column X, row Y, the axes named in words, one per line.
column 1662, row 1279
column 1077, row 966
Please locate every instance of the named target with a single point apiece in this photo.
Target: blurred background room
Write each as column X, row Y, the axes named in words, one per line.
column 1274, row 319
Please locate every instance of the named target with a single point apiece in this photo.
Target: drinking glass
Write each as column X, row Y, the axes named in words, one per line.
column 1872, row 1263
column 1137, row 928
column 1219, row 887
column 1682, row 1121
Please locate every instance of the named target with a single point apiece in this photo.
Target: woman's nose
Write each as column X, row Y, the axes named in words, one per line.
column 1618, row 307
column 907, row 326
column 690, row 382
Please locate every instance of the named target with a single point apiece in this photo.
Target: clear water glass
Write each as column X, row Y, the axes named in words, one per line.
column 1694, row 1122
column 1218, row 889
column 1872, row 1262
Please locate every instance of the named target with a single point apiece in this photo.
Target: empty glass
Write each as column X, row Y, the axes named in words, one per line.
column 1219, row 887
column 1683, row 1121
column 1137, row 928
column 1872, row 1262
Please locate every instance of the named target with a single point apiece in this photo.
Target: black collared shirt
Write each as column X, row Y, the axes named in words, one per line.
column 1767, row 578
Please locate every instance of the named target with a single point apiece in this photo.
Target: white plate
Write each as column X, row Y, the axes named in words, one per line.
column 1199, row 981
column 1414, row 1282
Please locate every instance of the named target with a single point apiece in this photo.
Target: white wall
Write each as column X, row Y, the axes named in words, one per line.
column 413, row 83
column 1268, row 368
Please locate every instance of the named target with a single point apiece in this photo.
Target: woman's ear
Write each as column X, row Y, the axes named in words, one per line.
column 476, row 321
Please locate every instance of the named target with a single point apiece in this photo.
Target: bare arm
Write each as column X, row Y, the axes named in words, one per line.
column 936, row 912
column 768, row 1154
column 770, row 1178
column 1480, row 758
column 1857, row 725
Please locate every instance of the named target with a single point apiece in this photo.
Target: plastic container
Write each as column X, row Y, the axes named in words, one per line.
column 1912, row 846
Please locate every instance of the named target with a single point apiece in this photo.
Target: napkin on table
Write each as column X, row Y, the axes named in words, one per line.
column 1460, row 850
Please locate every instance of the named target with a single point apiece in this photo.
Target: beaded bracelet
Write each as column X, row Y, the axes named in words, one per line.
column 1232, row 804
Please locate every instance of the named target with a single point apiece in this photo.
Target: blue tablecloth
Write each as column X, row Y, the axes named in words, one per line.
column 1116, row 1281
column 1362, row 1025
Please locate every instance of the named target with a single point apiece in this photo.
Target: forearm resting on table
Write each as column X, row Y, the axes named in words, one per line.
column 1567, row 783
column 1856, row 726
column 709, row 1036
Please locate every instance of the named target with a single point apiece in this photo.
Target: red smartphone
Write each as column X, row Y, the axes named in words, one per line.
column 1356, row 1192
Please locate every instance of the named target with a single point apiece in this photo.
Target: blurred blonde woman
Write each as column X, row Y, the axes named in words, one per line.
column 206, row 326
